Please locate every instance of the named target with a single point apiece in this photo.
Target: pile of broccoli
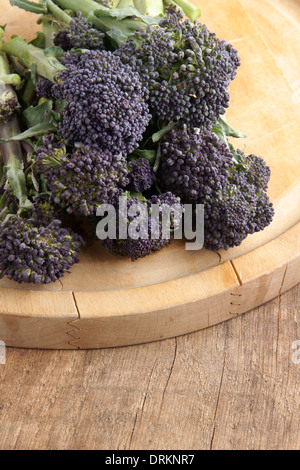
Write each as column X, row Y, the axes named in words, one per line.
column 118, row 103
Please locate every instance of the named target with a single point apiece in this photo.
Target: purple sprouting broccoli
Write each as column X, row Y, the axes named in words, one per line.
column 201, row 169
column 105, row 103
column 235, row 211
column 186, row 67
column 141, row 175
column 33, row 245
column 85, row 178
column 79, row 34
column 146, row 223
column 37, row 254
column 193, row 165
column 45, row 211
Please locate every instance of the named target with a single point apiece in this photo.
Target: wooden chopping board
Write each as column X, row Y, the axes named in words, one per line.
column 109, row 301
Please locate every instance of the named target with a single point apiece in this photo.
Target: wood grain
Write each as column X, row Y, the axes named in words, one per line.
column 233, row 386
column 109, row 301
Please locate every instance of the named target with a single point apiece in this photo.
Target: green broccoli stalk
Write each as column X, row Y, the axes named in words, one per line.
column 9, row 104
column 13, row 181
column 46, row 63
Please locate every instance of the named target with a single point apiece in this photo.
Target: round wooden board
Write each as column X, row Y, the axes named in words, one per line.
column 109, row 301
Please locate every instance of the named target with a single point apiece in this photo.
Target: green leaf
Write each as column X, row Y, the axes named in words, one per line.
column 33, row 74
column 39, row 129
column 228, row 130
column 120, row 24
column 21, row 85
column 35, row 115
column 148, row 7
column 157, row 160
column 2, row 31
column 53, row 51
column 17, row 181
column 33, row 7
column 39, row 41
column 222, row 130
column 128, row 12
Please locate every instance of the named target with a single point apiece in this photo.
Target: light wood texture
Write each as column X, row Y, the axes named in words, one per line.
column 108, row 301
column 233, row 386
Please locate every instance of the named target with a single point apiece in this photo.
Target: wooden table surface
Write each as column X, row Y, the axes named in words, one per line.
column 233, row 386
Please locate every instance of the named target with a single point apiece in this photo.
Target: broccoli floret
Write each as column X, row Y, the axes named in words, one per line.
column 79, row 34
column 70, row 59
column 258, row 172
column 186, row 67
column 141, row 175
column 199, row 168
column 235, row 211
column 37, row 254
column 145, row 245
column 192, row 164
column 105, row 103
column 44, row 88
column 45, row 211
column 82, row 180
column 9, row 104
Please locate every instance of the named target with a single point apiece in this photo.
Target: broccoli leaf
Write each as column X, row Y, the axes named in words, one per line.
column 53, row 51
column 17, row 181
column 222, row 130
column 225, row 128
column 35, row 115
column 33, row 7
column 39, row 40
column 128, row 12
column 120, row 24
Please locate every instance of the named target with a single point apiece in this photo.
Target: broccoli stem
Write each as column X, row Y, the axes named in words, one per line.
column 27, row 54
column 85, row 6
column 4, row 66
column 29, row 92
column 125, row 3
column 8, row 99
column 58, row 12
column 188, row 8
column 50, row 30
column 149, row 7
column 12, row 159
column 12, row 150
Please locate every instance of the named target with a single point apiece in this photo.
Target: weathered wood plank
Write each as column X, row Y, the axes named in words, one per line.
column 233, row 386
